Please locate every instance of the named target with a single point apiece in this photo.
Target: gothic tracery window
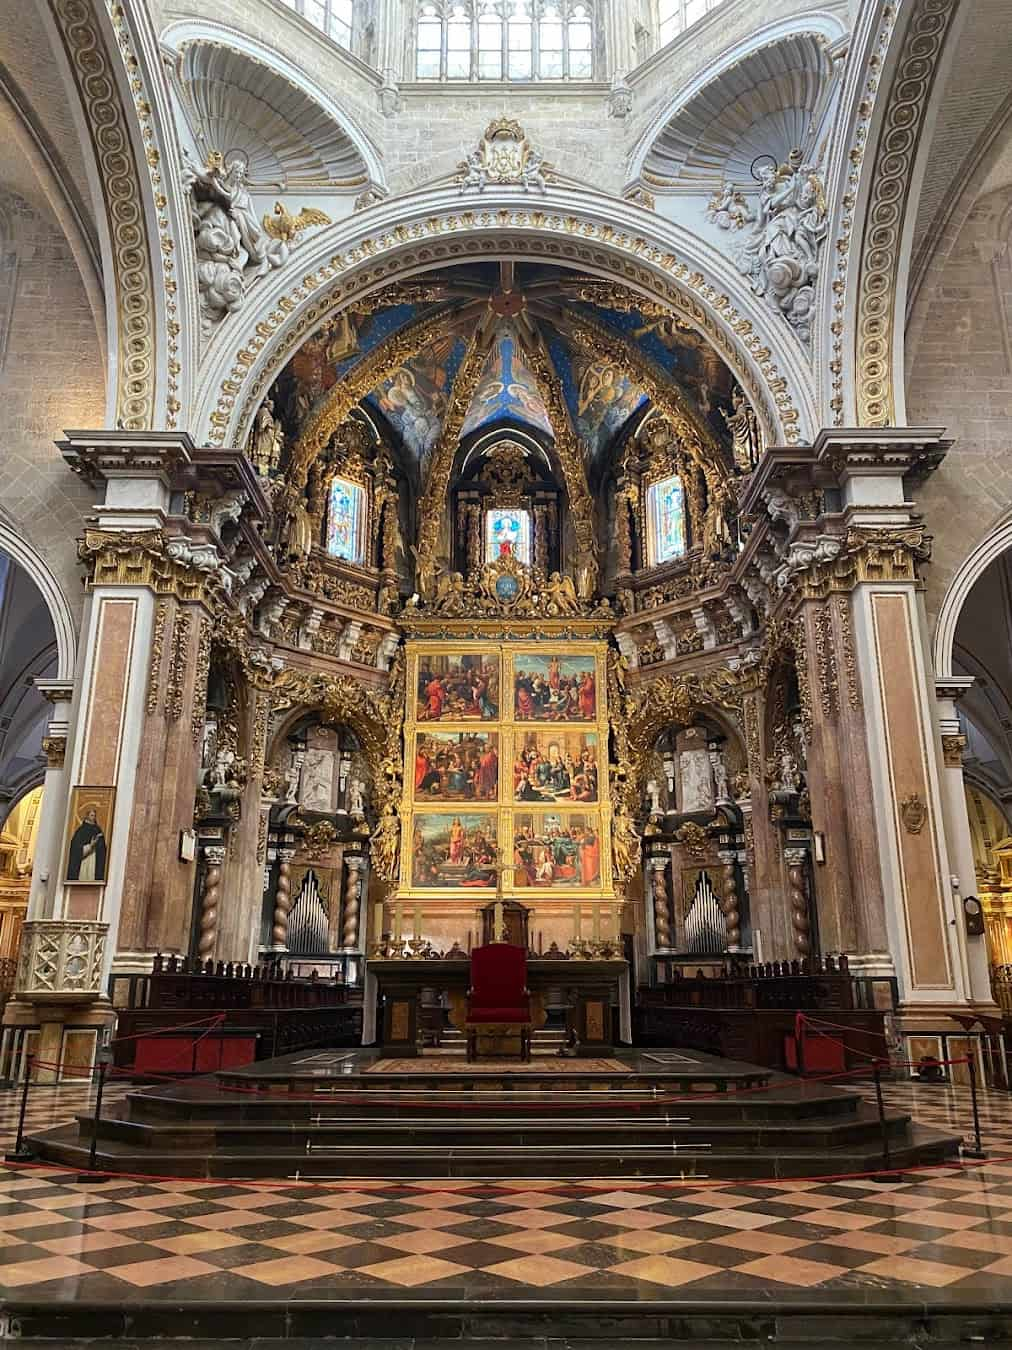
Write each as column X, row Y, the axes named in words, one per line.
column 674, row 16
column 666, row 516
column 333, row 17
column 345, row 520
column 504, row 40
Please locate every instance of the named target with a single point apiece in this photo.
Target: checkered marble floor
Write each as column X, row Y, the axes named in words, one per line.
column 942, row 1233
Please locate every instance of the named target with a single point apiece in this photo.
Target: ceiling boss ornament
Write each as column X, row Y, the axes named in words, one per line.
column 503, row 156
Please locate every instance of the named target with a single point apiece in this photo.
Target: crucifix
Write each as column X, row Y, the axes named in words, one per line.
column 500, row 868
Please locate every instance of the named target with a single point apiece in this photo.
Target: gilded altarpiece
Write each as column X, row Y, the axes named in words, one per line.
column 506, row 780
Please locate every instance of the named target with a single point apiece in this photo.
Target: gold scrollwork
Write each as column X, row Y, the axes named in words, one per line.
column 178, row 667
column 118, row 177
column 200, row 673
column 155, row 668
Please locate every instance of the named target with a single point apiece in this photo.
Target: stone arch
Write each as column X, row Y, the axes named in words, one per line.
column 600, row 235
column 52, row 593
column 967, row 575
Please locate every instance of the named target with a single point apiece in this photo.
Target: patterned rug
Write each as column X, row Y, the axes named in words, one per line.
column 455, row 1065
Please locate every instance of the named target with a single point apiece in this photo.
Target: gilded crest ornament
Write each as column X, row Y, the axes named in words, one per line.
column 693, row 838
column 503, row 156
column 913, row 813
column 506, row 582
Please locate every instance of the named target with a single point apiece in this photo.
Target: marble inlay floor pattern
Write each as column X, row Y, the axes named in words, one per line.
column 940, row 1234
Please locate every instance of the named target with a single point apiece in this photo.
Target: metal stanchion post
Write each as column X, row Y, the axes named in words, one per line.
column 20, row 1153
column 91, row 1177
column 971, row 1067
column 887, row 1176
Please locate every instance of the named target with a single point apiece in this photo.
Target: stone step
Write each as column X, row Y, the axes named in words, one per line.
column 478, row 1161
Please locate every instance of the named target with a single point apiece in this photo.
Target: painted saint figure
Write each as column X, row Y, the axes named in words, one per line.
column 87, row 850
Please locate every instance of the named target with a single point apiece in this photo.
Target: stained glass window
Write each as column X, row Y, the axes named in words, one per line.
column 508, row 531
column 344, row 520
column 666, row 508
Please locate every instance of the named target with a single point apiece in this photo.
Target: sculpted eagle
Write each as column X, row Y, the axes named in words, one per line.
column 284, row 226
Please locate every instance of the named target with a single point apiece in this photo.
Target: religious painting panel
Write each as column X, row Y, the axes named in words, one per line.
column 454, row 850
column 557, row 850
column 414, row 399
column 557, row 765
column 506, row 391
column 456, row 766
column 88, row 831
column 552, row 687
column 457, row 687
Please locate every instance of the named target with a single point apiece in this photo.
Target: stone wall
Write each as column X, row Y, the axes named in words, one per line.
column 52, row 378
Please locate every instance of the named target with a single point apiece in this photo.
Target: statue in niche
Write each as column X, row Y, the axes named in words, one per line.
column 781, row 256
column 746, row 442
column 297, row 524
column 586, row 574
column 356, row 799
column 721, row 785
column 787, row 777
column 263, row 447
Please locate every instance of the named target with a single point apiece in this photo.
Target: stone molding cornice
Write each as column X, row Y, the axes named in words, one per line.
column 596, row 232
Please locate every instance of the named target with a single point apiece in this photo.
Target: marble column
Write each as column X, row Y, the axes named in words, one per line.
column 210, row 899
column 282, row 900
column 49, row 836
column 963, row 876
column 886, row 544
column 351, row 927
column 657, row 867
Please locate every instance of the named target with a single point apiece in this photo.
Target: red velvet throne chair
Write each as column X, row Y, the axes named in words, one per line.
column 498, row 1001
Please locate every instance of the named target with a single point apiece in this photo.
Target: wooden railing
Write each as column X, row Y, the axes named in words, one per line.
column 183, row 982
column 815, row 984
column 281, row 1013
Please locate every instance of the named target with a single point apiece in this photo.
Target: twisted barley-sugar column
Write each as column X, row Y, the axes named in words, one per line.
column 352, row 900
column 282, row 900
column 214, row 856
column 659, row 890
column 732, row 913
column 800, row 919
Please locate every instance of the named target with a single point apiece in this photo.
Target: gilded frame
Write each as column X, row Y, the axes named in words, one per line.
column 591, row 656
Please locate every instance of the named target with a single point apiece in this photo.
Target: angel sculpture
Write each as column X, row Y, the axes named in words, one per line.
column 560, row 594
column 283, row 227
column 385, row 843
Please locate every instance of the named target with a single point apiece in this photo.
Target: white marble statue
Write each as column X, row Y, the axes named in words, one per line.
column 781, row 255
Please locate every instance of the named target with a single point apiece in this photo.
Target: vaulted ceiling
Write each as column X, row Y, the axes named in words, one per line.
column 555, row 343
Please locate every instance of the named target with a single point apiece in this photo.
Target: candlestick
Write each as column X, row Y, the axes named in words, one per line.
column 416, row 927
column 378, row 922
column 597, row 923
